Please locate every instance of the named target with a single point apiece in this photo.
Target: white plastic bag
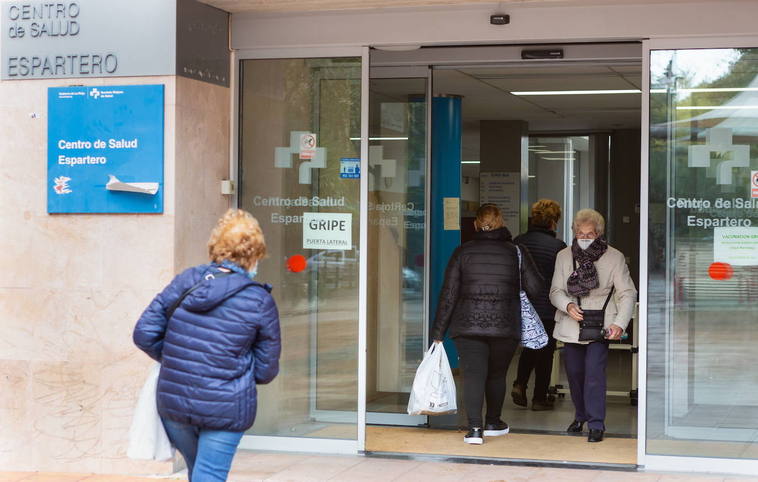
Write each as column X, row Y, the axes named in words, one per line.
column 147, row 436
column 433, row 390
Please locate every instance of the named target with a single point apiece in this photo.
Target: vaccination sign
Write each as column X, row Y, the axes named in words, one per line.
column 105, row 149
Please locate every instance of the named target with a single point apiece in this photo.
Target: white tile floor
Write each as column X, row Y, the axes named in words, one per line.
column 254, row 466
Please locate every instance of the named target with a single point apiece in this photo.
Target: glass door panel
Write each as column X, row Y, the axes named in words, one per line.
column 299, row 172
column 562, row 168
column 397, row 240
column 702, row 388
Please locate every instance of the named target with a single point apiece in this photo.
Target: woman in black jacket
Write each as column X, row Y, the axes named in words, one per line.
column 542, row 243
column 480, row 304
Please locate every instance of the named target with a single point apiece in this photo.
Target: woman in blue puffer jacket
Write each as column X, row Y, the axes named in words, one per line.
column 220, row 342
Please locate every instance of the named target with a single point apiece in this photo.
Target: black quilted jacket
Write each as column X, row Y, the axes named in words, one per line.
column 544, row 247
column 480, row 296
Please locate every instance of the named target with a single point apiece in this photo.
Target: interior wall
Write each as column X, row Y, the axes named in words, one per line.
column 599, row 148
column 73, row 288
column 623, row 222
column 500, row 145
column 203, row 112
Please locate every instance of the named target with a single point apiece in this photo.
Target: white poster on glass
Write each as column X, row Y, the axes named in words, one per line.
column 503, row 189
column 327, row 231
column 737, row 246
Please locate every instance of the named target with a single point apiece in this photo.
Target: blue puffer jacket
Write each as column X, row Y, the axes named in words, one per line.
column 222, row 341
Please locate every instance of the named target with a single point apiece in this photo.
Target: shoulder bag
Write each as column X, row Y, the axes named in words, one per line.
column 592, row 327
column 533, row 334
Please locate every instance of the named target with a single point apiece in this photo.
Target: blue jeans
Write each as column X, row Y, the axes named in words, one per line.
column 208, row 453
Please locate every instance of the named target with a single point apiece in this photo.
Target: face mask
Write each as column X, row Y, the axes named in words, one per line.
column 585, row 243
column 253, row 271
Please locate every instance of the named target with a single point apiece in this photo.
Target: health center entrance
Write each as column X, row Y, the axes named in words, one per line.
column 365, row 167
column 467, row 126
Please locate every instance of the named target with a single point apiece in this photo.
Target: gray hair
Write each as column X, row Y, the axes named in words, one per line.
column 589, row 216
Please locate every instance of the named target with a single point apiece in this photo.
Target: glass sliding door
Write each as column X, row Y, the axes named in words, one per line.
column 397, row 241
column 702, row 287
column 299, row 174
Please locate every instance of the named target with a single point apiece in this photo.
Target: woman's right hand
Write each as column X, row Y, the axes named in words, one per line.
column 575, row 312
column 437, row 341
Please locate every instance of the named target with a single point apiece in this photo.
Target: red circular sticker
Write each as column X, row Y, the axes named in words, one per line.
column 720, row 271
column 297, row 263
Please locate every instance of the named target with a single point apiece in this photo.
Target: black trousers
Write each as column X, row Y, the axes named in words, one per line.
column 585, row 368
column 541, row 361
column 484, row 361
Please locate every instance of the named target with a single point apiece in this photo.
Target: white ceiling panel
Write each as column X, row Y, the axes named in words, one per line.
column 486, row 95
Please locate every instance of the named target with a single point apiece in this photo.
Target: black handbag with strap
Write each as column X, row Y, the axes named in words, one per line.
column 591, row 328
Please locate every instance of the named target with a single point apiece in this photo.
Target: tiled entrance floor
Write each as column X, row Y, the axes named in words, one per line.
column 513, row 446
column 253, row 466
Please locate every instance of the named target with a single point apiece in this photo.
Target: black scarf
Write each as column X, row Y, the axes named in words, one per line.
column 584, row 277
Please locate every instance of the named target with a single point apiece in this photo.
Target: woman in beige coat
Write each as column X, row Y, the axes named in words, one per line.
column 588, row 273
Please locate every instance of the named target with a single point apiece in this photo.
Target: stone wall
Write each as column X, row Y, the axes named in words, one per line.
column 73, row 286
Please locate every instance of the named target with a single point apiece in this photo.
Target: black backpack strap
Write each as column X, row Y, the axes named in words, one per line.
column 207, row 276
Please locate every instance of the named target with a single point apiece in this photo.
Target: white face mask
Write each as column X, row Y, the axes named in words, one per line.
column 253, row 271
column 585, row 243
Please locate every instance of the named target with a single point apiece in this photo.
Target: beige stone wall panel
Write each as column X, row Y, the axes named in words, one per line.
column 202, row 153
column 73, row 286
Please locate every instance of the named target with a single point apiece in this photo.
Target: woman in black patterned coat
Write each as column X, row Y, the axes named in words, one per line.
column 480, row 306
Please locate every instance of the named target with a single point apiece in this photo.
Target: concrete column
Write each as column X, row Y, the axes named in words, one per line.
column 500, row 144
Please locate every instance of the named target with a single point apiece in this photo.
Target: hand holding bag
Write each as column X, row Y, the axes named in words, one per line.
column 592, row 327
column 533, row 334
column 433, row 390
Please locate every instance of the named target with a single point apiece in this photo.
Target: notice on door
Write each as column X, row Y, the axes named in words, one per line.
column 328, row 231
column 737, row 246
column 452, row 213
column 503, row 189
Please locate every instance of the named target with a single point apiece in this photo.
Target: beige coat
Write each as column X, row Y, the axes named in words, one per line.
column 612, row 271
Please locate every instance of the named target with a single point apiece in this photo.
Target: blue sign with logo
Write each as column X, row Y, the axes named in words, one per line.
column 350, row 168
column 105, row 149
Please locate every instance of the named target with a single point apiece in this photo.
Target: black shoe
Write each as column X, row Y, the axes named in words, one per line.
column 496, row 429
column 519, row 395
column 474, row 436
column 541, row 405
column 576, row 427
column 596, row 435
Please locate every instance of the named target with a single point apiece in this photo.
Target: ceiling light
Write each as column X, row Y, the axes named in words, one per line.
column 712, row 107
column 576, row 92
column 469, row 162
column 381, row 138
column 558, row 158
column 709, row 89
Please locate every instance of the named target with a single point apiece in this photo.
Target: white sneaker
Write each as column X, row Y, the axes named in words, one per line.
column 474, row 436
column 496, row 429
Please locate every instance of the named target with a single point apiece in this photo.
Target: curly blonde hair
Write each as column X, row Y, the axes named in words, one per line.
column 488, row 218
column 238, row 238
column 545, row 213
